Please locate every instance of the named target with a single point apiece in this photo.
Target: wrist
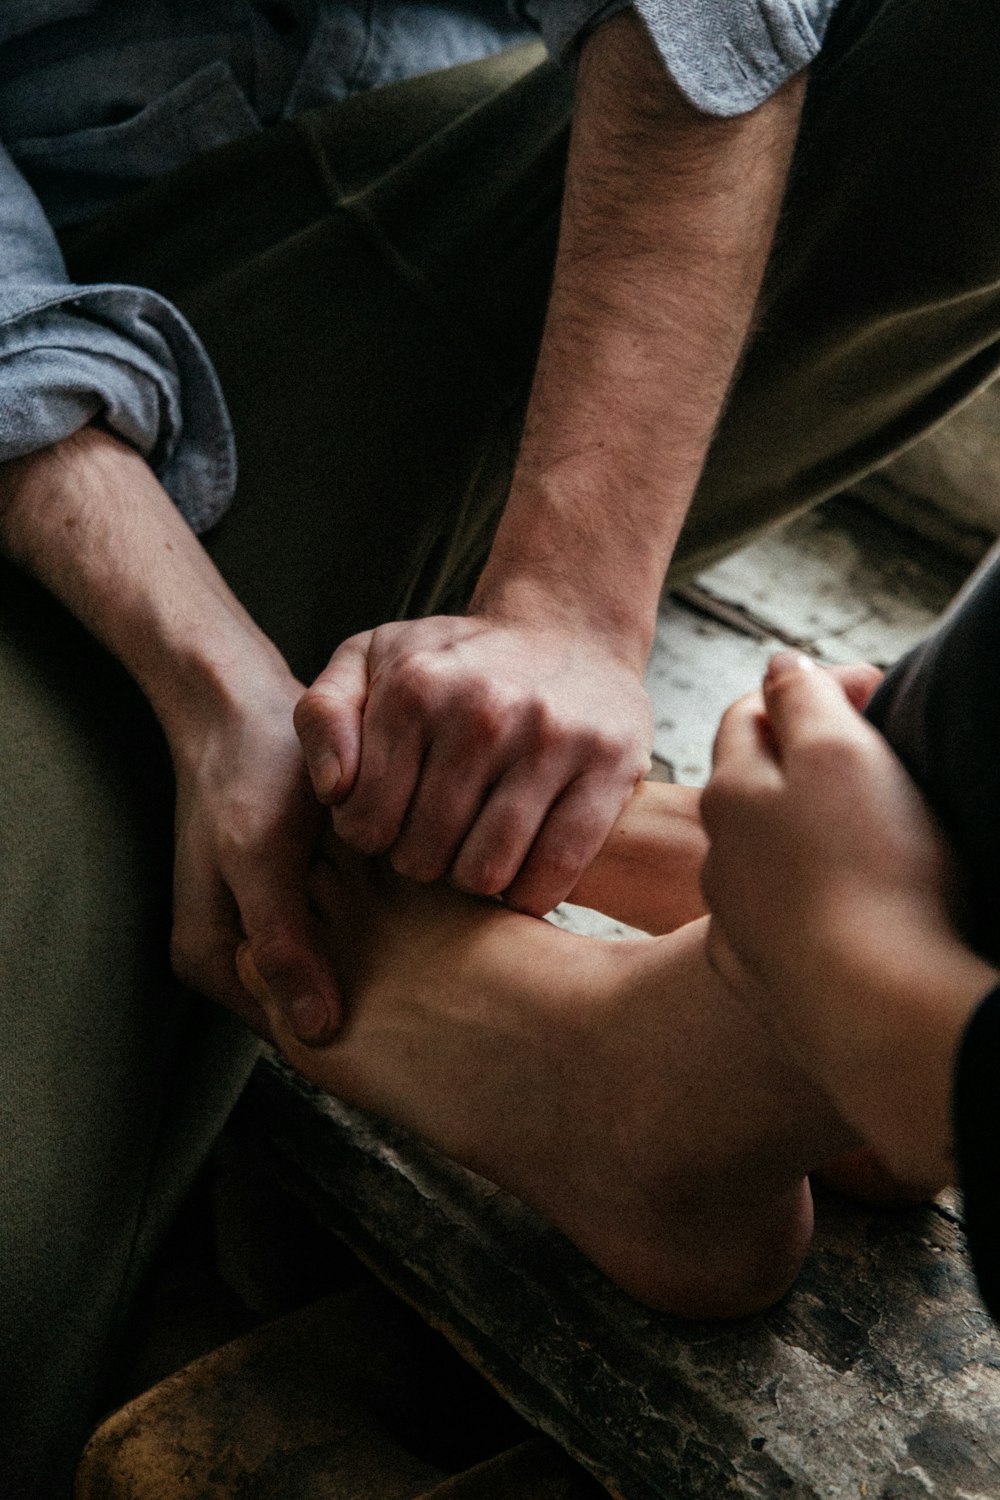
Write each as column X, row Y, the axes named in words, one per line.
column 199, row 686
column 90, row 520
column 593, row 607
column 892, row 1072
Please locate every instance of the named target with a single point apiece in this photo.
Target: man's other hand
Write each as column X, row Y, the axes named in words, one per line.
column 91, row 521
column 246, row 827
column 496, row 753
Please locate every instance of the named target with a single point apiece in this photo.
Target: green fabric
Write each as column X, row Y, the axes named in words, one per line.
column 370, row 282
column 112, row 1080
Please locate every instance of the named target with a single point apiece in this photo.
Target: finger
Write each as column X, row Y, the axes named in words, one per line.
column 281, row 944
column 274, row 1025
column 745, row 769
column 448, row 798
column 805, row 705
column 569, row 839
column 502, row 836
column 203, row 942
column 743, row 741
column 328, row 716
column 859, row 681
column 393, row 742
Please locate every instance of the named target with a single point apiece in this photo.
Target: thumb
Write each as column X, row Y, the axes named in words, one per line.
column 289, row 976
column 804, row 703
column 280, row 1033
column 328, row 716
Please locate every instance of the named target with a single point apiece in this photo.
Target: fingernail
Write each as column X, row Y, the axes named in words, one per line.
column 789, row 661
column 326, row 775
column 311, row 1020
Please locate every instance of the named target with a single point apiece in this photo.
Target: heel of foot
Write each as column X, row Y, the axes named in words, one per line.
column 707, row 1264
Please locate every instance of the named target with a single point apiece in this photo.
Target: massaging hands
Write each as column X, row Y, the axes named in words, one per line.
column 496, row 751
column 815, row 829
column 247, row 824
column 831, row 891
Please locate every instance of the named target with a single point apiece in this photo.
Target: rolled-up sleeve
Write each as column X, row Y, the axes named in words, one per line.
column 726, row 56
column 120, row 354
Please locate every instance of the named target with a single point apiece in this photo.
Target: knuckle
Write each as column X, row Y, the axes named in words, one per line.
column 415, row 682
column 487, row 712
column 496, row 875
column 489, row 880
column 531, row 895
column 617, row 753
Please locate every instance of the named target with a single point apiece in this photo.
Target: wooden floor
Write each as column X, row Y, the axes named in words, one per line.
column 879, row 1375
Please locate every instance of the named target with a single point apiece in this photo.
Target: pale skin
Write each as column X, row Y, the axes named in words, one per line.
column 523, row 724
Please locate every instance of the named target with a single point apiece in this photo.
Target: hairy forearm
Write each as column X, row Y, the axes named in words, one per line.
column 89, row 519
column 667, row 225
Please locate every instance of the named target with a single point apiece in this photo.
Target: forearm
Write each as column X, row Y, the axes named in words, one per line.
column 667, row 225
column 89, row 519
column 888, row 1063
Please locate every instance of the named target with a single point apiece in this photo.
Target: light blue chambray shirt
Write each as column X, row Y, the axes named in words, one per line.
column 99, row 96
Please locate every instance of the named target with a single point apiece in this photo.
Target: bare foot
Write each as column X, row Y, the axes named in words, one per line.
column 647, row 874
column 618, row 1088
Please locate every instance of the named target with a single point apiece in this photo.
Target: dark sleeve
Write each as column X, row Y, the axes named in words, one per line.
column 726, row 56
column 976, row 1108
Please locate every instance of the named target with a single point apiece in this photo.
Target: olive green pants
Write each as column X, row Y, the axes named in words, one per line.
column 370, row 282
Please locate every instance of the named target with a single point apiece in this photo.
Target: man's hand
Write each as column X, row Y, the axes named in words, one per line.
column 502, row 746
column 497, row 752
column 247, row 825
column 831, row 892
column 90, row 520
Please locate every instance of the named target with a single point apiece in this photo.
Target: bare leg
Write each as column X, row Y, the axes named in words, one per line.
column 618, row 1088
column 647, row 873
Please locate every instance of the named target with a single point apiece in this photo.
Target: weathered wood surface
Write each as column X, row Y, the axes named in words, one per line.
column 840, row 583
column 878, row 1376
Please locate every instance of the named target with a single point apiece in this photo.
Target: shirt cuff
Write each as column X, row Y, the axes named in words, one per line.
column 729, row 58
column 126, row 357
column 725, row 56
